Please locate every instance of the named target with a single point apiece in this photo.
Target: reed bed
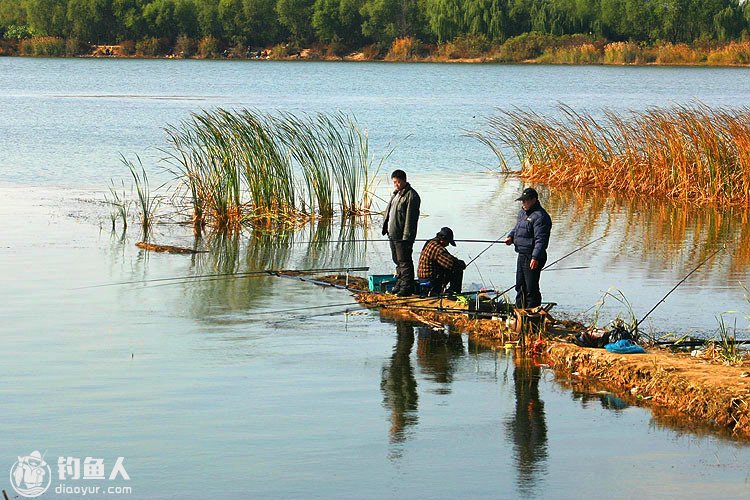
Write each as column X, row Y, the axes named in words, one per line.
column 246, row 166
column 690, row 153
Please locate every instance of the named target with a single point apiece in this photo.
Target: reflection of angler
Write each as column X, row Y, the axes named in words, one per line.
column 399, row 385
column 528, row 428
column 436, row 351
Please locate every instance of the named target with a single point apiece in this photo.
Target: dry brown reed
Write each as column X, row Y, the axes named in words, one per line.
column 404, row 49
column 690, row 153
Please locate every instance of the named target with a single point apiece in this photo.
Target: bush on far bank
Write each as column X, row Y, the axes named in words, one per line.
column 43, row 46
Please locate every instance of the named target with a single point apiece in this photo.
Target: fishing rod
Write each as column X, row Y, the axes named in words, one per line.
column 319, row 282
column 488, row 247
column 677, row 285
column 696, row 343
column 238, row 275
column 558, row 260
column 381, row 240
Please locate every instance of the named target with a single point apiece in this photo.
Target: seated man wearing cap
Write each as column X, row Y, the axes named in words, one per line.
column 531, row 238
column 439, row 266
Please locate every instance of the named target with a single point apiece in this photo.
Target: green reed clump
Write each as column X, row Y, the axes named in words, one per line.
column 118, row 200
column 147, row 202
column 245, row 165
column 725, row 345
column 692, row 152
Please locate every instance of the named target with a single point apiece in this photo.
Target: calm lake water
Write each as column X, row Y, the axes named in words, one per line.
column 208, row 390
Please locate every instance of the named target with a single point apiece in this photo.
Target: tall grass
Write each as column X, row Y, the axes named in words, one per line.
column 405, row 49
column 586, row 53
column 43, row 46
column 118, row 201
column 239, row 166
column 691, row 153
column 623, row 53
column 147, row 202
column 725, row 345
column 733, row 53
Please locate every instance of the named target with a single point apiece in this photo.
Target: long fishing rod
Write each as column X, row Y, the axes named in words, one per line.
column 558, row 260
column 696, row 343
column 677, row 285
column 382, row 240
column 239, row 275
column 488, row 247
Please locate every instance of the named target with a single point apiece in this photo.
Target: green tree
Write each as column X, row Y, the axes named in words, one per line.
column 47, row 17
column 296, row 16
column 12, row 13
column 160, row 19
column 446, row 18
column 337, row 20
column 186, row 18
column 90, row 20
column 207, row 16
column 384, row 20
column 128, row 18
column 486, row 17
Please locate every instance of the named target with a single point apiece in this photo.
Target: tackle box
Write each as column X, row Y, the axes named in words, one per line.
column 380, row 282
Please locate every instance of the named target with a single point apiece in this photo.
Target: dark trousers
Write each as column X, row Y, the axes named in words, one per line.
column 451, row 277
column 401, row 253
column 527, row 282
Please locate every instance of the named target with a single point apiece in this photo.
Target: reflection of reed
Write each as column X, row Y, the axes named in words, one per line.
column 662, row 235
column 256, row 250
column 528, row 427
column 347, row 249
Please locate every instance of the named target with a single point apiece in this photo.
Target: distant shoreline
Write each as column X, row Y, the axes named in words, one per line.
column 580, row 52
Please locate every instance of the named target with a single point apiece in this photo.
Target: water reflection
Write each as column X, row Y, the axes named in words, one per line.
column 657, row 235
column 438, row 354
column 607, row 400
column 260, row 249
column 528, row 427
column 399, row 385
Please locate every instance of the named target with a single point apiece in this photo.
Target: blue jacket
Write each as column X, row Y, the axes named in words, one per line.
column 531, row 234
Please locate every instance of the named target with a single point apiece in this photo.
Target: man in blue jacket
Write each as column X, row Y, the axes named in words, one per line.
column 531, row 238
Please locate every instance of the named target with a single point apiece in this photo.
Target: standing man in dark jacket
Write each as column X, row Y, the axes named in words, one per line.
column 531, row 238
column 400, row 224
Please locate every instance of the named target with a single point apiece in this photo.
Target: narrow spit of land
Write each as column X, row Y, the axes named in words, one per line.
column 712, row 394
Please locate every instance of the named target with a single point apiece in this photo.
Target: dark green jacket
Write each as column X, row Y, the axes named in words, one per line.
column 402, row 215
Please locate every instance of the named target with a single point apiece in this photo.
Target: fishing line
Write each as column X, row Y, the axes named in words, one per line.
column 558, row 260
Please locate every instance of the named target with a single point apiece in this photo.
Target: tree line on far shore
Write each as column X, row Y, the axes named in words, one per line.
column 345, row 25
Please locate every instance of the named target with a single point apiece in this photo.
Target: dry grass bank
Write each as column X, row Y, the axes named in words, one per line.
column 714, row 394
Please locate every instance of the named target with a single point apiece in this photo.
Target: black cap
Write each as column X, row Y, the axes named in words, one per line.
column 528, row 194
column 446, row 234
